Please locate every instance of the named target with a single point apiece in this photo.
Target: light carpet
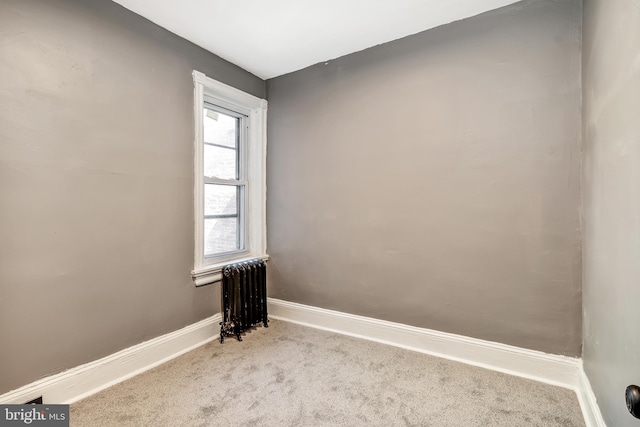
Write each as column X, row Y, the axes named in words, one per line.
column 290, row 375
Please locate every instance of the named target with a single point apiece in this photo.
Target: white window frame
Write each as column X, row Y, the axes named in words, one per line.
column 208, row 270
column 240, row 182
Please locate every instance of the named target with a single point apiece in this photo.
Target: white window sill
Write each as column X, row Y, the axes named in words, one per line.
column 213, row 273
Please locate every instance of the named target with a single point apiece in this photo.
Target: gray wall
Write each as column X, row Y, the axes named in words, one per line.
column 96, row 183
column 611, row 202
column 434, row 180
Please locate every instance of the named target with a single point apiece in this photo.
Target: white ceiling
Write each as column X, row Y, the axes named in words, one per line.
column 274, row 37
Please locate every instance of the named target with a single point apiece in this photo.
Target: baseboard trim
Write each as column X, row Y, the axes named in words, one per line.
column 588, row 402
column 84, row 380
column 552, row 369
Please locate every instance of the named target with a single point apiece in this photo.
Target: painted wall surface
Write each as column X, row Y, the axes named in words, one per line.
column 434, row 180
column 611, row 202
column 96, row 183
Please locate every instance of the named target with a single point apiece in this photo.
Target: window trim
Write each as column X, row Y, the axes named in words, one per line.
column 205, row 270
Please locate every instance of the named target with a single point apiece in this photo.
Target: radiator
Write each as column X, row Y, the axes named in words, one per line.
column 244, row 298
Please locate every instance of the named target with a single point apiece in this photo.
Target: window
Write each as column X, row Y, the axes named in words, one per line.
column 225, row 184
column 230, row 147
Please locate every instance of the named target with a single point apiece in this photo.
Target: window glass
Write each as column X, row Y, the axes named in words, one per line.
column 220, row 200
column 220, row 128
column 221, row 136
column 220, row 235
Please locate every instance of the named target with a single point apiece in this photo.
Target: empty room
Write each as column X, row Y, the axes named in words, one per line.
column 292, row 213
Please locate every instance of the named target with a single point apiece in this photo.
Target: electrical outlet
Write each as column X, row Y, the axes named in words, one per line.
column 36, row 401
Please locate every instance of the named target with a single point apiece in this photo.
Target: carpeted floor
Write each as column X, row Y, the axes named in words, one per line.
column 290, row 375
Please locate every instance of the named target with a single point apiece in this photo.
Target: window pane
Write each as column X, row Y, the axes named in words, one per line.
column 220, row 162
column 220, row 199
column 220, row 128
column 220, row 235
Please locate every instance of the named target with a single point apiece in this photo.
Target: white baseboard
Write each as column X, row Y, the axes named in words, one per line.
column 588, row 403
column 84, row 380
column 535, row 365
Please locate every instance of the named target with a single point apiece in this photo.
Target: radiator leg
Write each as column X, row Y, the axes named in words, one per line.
column 238, row 330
